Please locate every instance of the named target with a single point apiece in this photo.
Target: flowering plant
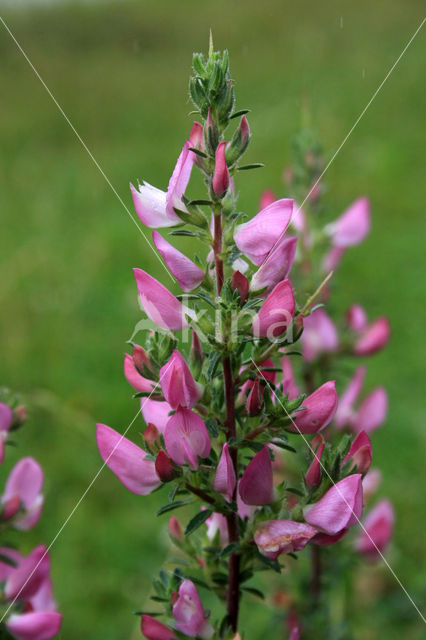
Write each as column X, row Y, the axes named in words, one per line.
column 29, row 610
column 261, row 459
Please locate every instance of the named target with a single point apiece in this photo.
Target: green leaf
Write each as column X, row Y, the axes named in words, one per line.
column 208, row 203
column 198, row 152
column 254, row 592
column 197, row 521
column 254, row 165
column 173, row 505
column 229, row 549
column 297, row 492
column 212, row 427
column 241, row 112
column 214, row 359
column 183, row 232
column 198, row 581
column 6, row 560
column 246, row 575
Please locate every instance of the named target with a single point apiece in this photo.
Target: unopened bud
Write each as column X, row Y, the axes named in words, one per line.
column 211, row 134
column 240, row 282
column 220, row 182
column 175, row 529
column 151, row 436
column 11, row 508
column 239, row 142
column 254, row 399
column 196, row 348
column 140, row 358
column 164, row 467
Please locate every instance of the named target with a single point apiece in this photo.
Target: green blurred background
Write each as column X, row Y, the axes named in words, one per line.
column 67, row 247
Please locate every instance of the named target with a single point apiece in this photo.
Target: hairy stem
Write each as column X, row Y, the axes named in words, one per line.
column 233, row 596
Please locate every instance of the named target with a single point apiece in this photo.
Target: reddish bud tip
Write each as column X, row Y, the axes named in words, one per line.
column 164, row 467
column 151, row 435
column 220, row 182
column 175, row 529
column 240, row 282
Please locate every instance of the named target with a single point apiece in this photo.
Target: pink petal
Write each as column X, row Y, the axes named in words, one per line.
column 373, row 338
column 289, row 384
column 27, row 578
column 25, row 480
column 324, row 540
column 345, row 410
column 339, row 508
column 276, row 267
column 353, row 225
column 152, row 629
column 319, row 335
column 133, row 376
column 256, row 485
column 361, row 452
column 372, row 412
column 6, row 417
column 127, row 461
column 7, row 569
column 332, row 259
column 34, row 625
column 220, row 181
column 356, row 318
column 318, row 410
column 182, row 268
column 225, row 479
column 186, row 438
column 370, row 483
column 179, row 180
column 177, row 383
column 156, row 413
column 276, row 313
column 217, row 522
column 268, row 197
column 159, row 304
column 150, row 206
column 257, row 237
column 313, row 474
column 196, row 137
column 282, row 536
column 378, row 530
column 188, row 610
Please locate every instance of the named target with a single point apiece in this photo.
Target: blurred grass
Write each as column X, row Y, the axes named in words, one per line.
column 67, row 247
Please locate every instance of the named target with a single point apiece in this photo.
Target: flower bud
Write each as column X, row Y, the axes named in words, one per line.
column 186, row 438
column 313, row 474
column 276, row 313
column 360, row 453
column 220, row 181
column 256, row 485
column 164, row 467
column 211, row 134
column 225, row 479
column 11, row 508
column 177, row 383
column 196, row 137
column 317, row 410
column 239, row 142
column 254, row 399
column 151, row 435
column 152, row 629
column 242, row 285
column 175, row 529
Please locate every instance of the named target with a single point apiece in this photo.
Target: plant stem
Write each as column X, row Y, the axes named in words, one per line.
column 233, row 596
column 315, row 574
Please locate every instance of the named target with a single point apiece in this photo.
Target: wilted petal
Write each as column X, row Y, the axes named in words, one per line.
column 152, row 629
column 276, row 267
column 127, row 461
column 159, row 304
column 156, row 413
column 317, row 410
column 319, row 335
column 39, row 625
column 353, row 225
column 258, row 236
column 339, row 508
column 345, row 411
column 177, row 383
column 225, row 479
column 182, row 268
column 282, row 536
column 256, row 485
column 276, row 313
column 377, row 531
column 360, row 452
column 373, row 338
column 372, row 412
column 186, row 438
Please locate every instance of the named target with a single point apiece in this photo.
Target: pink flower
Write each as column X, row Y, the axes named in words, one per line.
column 24, row 581
column 35, row 625
column 156, row 413
column 360, row 453
column 377, row 533
column 289, row 384
column 258, row 236
column 294, row 634
column 6, row 418
column 352, row 226
column 186, row 438
column 217, row 523
column 276, row 266
column 332, row 259
column 225, row 479
column 356, row 317
column 340, row 508
column 268, row 197
column 177, row 383
column 276, row 313
column 319, row 335
column 370, row 483
column 196, row 137
column 317, row 410
column 25, row 482
column 220, row 181
column 372, row 411
column 256, row 485
column 313, row 474
column 189, row 614
column 182, row 268
column 282, row 536
column 155, row 207
column 345, row 411
column 324, row 540
column 152, row 629
column 373, row 338
column 133, row 376
column 127, row 461
column 159, row 304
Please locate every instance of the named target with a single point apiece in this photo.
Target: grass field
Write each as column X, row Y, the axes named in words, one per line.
column 67, row 247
